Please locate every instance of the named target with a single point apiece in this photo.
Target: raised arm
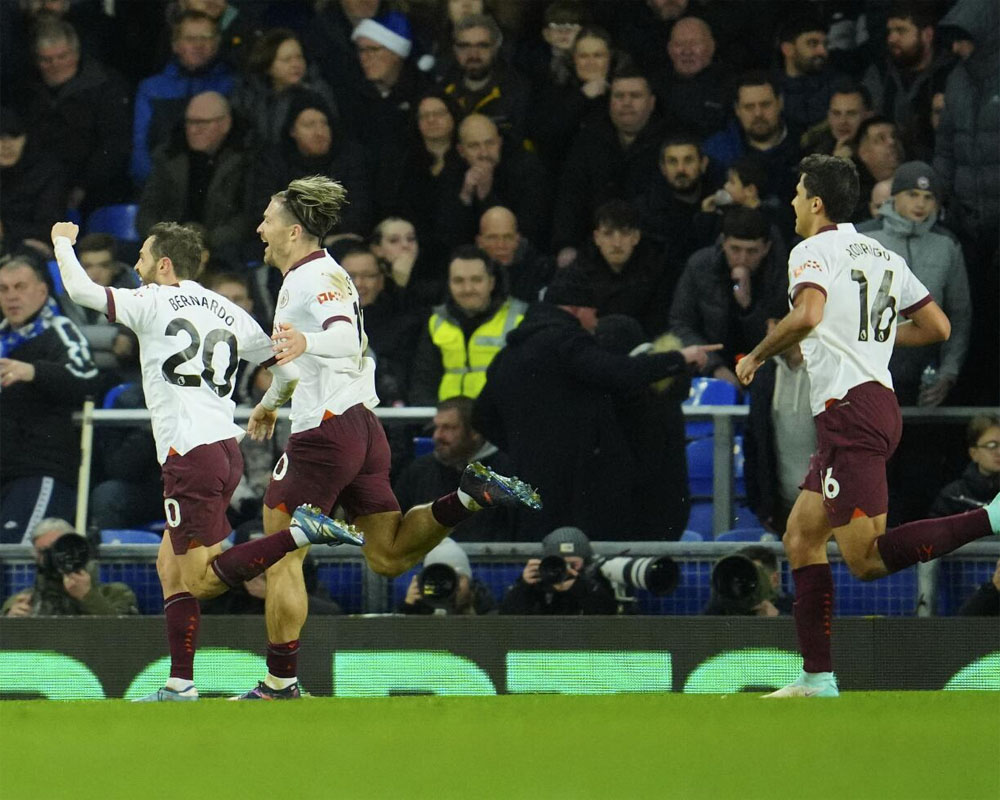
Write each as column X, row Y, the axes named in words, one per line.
column 79, row 286
column 806, row 314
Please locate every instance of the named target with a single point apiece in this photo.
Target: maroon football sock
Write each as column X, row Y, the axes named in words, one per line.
column 183, row 618
column 925, row 539
column 449, row 511
column 283, row 659
column 813, row 611
column 248, row 560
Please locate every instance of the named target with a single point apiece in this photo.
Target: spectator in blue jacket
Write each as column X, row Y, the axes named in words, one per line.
column 161, row 98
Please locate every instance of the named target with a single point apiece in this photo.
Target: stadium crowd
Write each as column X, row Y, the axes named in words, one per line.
column 502, row 158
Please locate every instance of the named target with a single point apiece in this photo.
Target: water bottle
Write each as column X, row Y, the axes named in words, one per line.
column 928, row 377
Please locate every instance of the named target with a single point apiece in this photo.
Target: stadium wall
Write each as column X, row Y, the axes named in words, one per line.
column 95, row 658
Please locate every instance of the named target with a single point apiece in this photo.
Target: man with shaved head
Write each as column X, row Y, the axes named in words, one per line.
column 525, row 269
column 696, row 91
column 492, row 173
column 198, row 176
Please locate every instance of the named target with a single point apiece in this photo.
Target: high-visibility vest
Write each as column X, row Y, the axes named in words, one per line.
column 465, row 363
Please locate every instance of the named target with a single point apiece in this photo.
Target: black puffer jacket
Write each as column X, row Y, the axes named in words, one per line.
column 548, row 403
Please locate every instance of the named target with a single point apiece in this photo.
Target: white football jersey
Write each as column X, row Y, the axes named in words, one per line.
column 867, row 287
column 316, row 294
column 190, row 343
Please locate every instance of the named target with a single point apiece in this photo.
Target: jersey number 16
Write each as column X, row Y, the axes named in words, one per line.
column 883, row 302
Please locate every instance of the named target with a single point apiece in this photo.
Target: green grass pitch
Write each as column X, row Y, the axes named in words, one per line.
column 913, row 745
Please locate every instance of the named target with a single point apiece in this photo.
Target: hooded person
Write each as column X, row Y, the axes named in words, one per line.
column 566, row 433
column 445, row 585
column 907, row 224
column 313, row 142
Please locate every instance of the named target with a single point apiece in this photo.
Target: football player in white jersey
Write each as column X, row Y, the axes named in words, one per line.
column 851, row 302
column 337, row 453
column 190, row 342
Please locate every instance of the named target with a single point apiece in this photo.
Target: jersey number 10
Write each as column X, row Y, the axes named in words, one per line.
column 883, row 302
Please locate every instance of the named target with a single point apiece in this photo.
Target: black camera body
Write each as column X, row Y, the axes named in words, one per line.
column 552, row 570
column 69, row 553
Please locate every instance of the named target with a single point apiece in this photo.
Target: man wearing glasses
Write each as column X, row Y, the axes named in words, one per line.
column 159, row 101
column 483, row 85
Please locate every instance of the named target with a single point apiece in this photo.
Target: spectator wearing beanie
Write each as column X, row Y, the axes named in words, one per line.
column 379, row 107
column 907, row 223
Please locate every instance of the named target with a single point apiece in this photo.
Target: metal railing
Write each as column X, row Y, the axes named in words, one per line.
column 722, row 417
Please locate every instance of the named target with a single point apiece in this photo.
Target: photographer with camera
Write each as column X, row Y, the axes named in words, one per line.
column 748, row 583
column 565, row 581
column 66, row 579
column 445, row 585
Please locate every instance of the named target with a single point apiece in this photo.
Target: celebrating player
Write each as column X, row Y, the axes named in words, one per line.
column 337, row 452
column 848, row 294
column 190, row 342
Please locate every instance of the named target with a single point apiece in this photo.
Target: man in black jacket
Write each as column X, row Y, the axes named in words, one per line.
column 81, row 112
column 456, row 445
column 614, row 157
column 548, row 404
column 46, row 373
column 577, row 590
column 728, row 292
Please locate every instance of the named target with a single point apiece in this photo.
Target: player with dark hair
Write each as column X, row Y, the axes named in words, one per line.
column 190, row 342
column 848, row 294
column 337, row 452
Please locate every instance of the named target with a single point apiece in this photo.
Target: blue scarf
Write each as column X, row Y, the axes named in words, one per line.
column 11, row 339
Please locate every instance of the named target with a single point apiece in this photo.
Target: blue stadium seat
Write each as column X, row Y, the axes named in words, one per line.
column 118, row 220
column 709, row 392
column 700, row 520
column 422, row 445
column 114, row 394
column 125, row 536
column 700, row 461
column 692, row 536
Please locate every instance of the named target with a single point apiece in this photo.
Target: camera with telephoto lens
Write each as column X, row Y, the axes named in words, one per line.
column 740, row 584
column 438, row 585
column 658, row 575
column 69, row 553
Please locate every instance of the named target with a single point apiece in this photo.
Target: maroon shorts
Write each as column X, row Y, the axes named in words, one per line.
column 197, row 488
column 855, row 437
column 344, row 460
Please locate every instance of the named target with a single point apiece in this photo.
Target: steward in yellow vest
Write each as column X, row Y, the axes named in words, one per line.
column 464, row 334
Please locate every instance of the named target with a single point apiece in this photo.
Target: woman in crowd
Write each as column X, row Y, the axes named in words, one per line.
column 560, row 110
column 277, row 64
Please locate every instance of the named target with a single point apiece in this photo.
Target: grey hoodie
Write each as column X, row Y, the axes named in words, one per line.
column 934, row 255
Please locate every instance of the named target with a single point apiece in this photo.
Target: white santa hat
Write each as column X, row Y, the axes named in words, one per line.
column 392, row 31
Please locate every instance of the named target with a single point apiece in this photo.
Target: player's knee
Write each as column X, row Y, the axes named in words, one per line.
column 384, row 565
column 863, row 567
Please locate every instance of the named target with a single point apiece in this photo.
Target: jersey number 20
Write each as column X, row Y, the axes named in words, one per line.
column 883, row 302
column 218, row 336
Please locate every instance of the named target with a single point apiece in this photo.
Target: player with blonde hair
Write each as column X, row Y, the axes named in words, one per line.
column 337, row 453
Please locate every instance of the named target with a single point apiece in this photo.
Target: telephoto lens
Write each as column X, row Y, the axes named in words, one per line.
column 740, row 584
column 438, row 584
column 657, row 575
column 552, row 570
column 69, row 553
